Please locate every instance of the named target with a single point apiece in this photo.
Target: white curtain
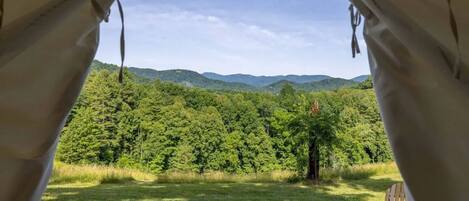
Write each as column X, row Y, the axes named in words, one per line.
column 46, row 47
column 418, row 54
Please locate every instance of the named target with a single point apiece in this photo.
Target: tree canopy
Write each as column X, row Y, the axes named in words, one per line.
column 160, row 126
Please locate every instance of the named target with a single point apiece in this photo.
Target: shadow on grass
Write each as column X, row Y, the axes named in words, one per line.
column 375, row 185
column 191, row 192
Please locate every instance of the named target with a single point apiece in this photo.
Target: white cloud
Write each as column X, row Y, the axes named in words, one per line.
column 168, row 36
column 225, row 32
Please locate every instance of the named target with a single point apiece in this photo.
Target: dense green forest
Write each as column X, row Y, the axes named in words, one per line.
column 161, row 126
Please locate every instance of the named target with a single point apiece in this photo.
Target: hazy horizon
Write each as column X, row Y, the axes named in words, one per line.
column 244, row 37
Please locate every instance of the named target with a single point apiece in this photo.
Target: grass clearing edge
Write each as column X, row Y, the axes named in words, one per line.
column 66, row 173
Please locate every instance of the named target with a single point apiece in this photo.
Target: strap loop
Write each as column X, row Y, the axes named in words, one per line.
column 355, row 21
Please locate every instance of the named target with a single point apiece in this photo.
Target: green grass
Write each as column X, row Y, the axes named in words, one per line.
column 65, row 174
column 366, row 183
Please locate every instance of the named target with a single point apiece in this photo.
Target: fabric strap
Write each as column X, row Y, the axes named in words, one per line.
column 355, row 19
column 103, row 14
column 122, row 41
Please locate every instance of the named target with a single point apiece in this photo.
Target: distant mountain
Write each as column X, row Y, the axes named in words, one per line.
column 360, row 78
column 261, row 81
column 327, row 84
column 185, row 77
column 237, row 82
column 190, row 79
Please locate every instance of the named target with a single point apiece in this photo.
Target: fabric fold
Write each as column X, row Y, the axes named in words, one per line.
column 46, row 47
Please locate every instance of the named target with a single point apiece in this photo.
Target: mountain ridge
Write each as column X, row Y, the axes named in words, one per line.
column 236, row 82
column 361, row 78
column 189, row 78
column 326, row 84
column 263, row 80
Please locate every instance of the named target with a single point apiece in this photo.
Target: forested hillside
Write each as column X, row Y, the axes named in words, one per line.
column 190, row 79
column 159, row 127
column 262, row 81
column 237, row 82
column 361, row 78
column 326, row 84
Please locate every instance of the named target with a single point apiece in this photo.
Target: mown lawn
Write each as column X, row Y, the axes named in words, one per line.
column 368, row 189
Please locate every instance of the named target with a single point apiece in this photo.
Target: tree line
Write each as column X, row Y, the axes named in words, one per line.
column 160, row 126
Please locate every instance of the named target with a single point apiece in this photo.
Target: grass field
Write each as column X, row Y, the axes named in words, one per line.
column 366, row 183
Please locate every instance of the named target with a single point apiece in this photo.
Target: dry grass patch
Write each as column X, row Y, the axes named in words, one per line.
column 65, row 173
column 221, row 177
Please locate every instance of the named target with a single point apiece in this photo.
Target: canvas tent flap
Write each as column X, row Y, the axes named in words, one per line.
column 46, row 47
column 413, row 56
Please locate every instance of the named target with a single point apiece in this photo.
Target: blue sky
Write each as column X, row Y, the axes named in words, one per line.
column 259, row 37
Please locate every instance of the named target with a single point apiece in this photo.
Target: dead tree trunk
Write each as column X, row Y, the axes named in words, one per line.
column 313, row 163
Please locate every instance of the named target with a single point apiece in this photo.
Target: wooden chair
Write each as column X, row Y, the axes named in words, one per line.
column 395, row 193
